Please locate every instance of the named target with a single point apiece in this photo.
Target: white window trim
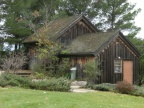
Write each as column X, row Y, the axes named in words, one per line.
column 118, row 65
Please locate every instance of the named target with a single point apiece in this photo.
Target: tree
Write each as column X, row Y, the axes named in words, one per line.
column 15, row 26
column 115, row 14
column 22, row 18
column 73, row 7
column 139, row 43
column 42, row 13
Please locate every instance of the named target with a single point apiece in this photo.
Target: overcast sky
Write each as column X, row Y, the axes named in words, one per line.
column 139, row 20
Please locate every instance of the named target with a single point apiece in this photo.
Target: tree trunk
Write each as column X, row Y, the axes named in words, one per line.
column 16, row 47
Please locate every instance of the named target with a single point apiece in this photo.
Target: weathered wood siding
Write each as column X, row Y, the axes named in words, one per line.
column 78, row 29
column 116, row 50
column 79, row 62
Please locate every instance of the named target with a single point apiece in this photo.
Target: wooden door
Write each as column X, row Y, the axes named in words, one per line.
column 128, row 71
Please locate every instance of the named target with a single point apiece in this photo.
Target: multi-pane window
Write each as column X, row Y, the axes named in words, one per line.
column 117, row 66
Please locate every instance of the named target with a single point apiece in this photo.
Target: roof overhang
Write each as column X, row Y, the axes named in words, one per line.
column 89, row 54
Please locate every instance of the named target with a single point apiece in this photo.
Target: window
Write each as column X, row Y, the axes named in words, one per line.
column 117, row 49
column 118, row 66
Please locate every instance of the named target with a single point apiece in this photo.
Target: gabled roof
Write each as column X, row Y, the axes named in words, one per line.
column 94, row 43
column 130, row 45
column 57, row 27
column 89, row 42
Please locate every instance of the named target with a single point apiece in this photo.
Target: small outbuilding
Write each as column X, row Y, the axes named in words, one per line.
column 118, row 57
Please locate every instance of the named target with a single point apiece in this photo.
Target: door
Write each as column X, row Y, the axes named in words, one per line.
column 128, row 71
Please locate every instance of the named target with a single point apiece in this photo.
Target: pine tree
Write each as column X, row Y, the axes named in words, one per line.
column 15, row 25
column 115, row 14
column 74, row 7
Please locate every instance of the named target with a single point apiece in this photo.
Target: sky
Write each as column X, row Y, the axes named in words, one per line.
column 139, row 20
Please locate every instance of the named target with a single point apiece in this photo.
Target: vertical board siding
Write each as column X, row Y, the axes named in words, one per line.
column 79, row 29
column 110, row 54
column 79, row 62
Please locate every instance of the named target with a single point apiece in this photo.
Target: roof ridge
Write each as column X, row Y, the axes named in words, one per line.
column 79, row 17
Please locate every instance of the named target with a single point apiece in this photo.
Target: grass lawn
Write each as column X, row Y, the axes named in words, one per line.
column 26, row 98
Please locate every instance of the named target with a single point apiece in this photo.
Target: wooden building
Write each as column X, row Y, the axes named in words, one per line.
column 118, row 57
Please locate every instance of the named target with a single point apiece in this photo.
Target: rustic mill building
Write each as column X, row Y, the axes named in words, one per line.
column 118, row 57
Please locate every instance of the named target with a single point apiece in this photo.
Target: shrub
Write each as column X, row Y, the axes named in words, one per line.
column 3, row 82
column 138, row 91
column 91, row 70
column 63, row 68
column 103, row 87
column 7, row 79
column 39, row 75
column 14, row 61
column 124, row 87
column 53, row 84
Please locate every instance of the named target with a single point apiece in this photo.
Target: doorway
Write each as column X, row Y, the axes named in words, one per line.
column 128, row 71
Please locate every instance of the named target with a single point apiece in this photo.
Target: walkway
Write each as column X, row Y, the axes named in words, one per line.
column 77, row 86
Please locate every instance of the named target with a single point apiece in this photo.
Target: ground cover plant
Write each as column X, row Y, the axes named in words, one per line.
column 27, row 98
column 51, row 84
column 102, row 87
column 121, row 87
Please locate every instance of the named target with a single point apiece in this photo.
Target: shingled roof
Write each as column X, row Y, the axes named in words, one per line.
column 56, row 27
column 89, row 43
column 92, row 44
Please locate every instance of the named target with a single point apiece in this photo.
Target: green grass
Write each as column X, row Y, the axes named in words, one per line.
column 26, row 98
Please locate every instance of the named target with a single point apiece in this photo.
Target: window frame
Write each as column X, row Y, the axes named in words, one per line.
column 118, row 63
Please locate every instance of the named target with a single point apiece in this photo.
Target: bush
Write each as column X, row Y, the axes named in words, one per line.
column 91, row 70
column 103, row 87
column 14, row 61
column 138, row 91
column 7, row 79
column 60, row 84
column 53, row 84
column 39, row 75
column 124, row 87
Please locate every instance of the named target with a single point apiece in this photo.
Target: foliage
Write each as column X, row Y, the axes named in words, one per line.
column 22, row 18
column 138, row 42
column 58, row 69
column 47, row 49
column 120, row 87
column 91, row 70
column 103, row 87
column 39, row 75
column 115, row 14
column 63, row 68
column 138, row 91
column 15, row 27
column 14, row 61
column 124, row 87
column 80, row 7
column 40, row 70
column 7, row 79
column 53, row 84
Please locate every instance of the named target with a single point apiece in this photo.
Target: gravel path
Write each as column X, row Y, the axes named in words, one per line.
column 77, row 89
